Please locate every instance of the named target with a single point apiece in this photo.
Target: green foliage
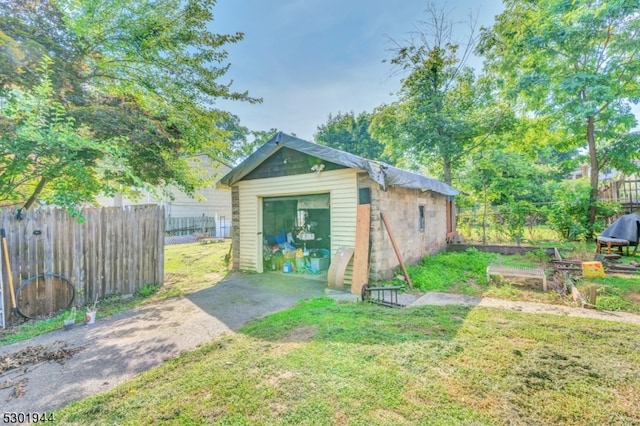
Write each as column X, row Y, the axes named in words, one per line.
column 610, row 301
column 568, row 215
column 576, row 64
column 148, row 290
column 505, row 187
column 615, row 292
column 350, row 133
column 145, row 74
column 46, row 154
column 444, row 110
column 442, row 271
column 241, row 142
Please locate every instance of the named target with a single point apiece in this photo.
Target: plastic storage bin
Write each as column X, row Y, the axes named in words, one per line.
column 320, row 263
column 592, row 269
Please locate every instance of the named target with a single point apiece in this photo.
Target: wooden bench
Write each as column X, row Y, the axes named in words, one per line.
column 611, row 242
column 509, row 271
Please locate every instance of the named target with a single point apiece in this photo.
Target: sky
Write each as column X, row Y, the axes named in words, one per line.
column 308, row 59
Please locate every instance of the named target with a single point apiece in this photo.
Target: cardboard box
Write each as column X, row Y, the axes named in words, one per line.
column 592, row 269
column 320, row 263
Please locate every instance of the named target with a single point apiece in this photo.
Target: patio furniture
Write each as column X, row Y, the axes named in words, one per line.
column 612, row 242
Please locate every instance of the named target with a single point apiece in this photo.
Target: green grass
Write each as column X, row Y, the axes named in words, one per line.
column 614, row 292
column 106, row 307
column 465, row 273
column 188, row 268
column 327, row 363
column 462, row 271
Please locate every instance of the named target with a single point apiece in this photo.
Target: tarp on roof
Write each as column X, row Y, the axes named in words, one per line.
column 380, row 172
column 626, row 227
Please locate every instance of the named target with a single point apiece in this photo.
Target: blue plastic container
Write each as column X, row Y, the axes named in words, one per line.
column 287, row 268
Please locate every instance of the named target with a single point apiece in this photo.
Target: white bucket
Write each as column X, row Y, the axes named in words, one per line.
column 91, row 317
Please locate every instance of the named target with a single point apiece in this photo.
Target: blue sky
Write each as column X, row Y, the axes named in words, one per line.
column 311, row 58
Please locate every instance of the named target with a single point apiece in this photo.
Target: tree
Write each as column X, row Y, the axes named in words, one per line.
column 241, row 141
column 46, row 155
column 578, row 63
column 350, row 133
column 444, row 110
column 509, row 182
column 144, row 73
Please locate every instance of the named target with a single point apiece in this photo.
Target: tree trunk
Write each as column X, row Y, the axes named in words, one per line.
column 36, row 193
column 447, row 172
column 594, row 174
column 484, row 216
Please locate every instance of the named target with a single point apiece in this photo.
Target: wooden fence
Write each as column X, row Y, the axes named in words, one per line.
column 114, row 250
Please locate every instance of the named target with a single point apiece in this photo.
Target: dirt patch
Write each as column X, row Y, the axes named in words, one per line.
column 300, row 334
column 634, row 297
column 274, row 381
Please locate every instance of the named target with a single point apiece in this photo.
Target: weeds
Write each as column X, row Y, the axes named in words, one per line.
column 440, row 272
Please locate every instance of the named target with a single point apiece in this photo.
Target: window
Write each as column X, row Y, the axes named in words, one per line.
column 421, row 218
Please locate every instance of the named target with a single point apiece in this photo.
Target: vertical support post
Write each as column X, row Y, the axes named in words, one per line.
column 396, row 249
column 592, row 296
column 361, row 252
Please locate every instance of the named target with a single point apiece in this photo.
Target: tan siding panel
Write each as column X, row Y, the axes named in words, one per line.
column 341, row 184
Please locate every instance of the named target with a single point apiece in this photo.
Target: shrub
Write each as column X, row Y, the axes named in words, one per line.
column 569, row 214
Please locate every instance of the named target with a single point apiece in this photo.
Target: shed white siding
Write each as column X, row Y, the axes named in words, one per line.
column 340, row 184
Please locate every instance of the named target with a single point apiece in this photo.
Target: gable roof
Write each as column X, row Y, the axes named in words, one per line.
column 380, row 172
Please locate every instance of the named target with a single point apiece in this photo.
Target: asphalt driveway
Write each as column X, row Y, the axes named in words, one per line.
column 114, row 349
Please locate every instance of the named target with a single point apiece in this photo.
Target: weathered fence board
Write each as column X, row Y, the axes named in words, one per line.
column 114, row 250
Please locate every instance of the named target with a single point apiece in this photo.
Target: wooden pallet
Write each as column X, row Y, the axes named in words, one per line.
column 510, row 271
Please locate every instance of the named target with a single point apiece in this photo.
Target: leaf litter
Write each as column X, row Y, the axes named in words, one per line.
column 23, row 360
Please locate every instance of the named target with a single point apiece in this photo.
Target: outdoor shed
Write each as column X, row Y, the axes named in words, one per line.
column 312, row 196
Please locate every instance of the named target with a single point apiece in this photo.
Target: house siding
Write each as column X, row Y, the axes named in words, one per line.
column 340, row 184
column 208, row 201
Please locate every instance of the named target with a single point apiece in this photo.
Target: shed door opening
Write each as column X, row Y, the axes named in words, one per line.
column 296, row 222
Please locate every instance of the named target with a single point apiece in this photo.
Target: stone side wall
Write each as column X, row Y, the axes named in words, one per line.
column 235, row 228
column 401, row 207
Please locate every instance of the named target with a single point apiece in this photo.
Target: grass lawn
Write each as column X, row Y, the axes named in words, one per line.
column 327, row 363
column 191, row 267
column 321, row 362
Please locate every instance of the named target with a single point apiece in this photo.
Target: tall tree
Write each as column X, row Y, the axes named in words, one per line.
column 45, row 155
column 577, row 62
column 350, row 133
column 242, row 142
column 443, row 110
column 144, row 73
